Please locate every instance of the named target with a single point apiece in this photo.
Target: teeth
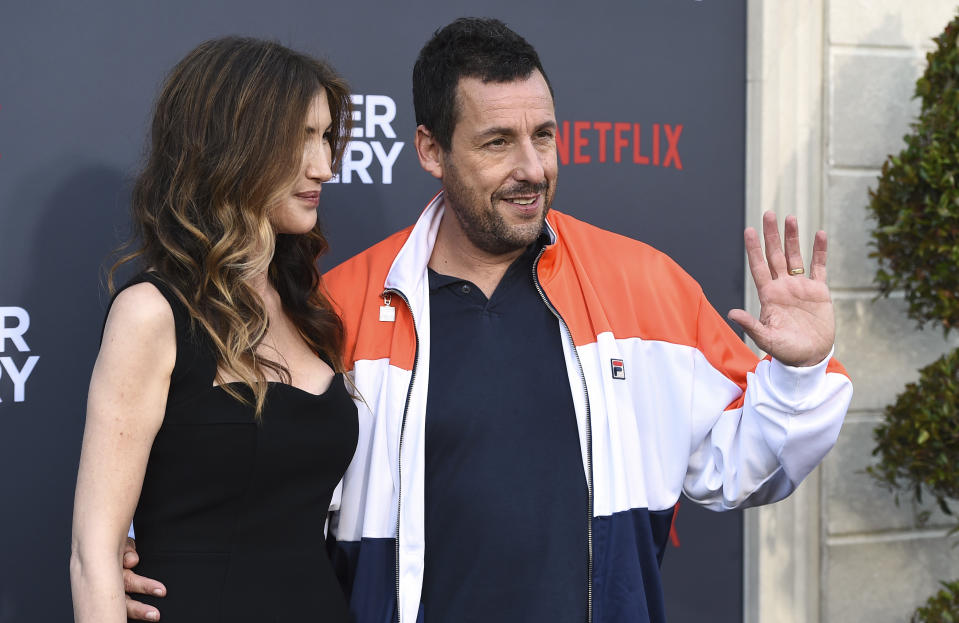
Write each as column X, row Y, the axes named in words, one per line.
column 524, row 202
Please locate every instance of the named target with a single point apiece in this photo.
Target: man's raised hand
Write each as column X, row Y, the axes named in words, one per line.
column 796, row 324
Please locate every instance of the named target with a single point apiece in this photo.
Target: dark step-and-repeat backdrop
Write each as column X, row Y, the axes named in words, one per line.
column 650, row 96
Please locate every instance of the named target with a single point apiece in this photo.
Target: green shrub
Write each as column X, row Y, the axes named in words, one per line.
column 943, row 607
column 916, row 207
column 918, row 443
column 916, row 241
column 916, row 203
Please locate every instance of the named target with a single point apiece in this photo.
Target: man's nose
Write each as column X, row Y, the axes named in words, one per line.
column 528, row 166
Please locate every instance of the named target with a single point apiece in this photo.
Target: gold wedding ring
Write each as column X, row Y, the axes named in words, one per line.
column 797, row 271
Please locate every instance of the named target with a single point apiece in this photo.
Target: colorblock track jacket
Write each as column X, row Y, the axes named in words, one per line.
column 668, row 400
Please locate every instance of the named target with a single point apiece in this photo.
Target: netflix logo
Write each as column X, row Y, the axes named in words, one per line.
column 645, row 144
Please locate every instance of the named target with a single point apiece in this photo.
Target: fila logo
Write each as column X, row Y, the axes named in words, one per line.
column 619, row 370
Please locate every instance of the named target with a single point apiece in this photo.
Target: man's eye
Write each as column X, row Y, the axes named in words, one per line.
column 496, row 142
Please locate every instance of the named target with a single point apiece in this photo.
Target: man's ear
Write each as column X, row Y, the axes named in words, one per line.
column 429, row 152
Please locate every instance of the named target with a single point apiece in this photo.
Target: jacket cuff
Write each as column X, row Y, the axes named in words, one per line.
column 797, row 382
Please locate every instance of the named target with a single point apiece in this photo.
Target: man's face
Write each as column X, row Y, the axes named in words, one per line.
column 500, row 172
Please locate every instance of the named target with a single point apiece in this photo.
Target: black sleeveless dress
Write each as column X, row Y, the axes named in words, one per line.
column 232, row 510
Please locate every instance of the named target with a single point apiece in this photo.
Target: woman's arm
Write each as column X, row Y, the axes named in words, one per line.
column 125, row 407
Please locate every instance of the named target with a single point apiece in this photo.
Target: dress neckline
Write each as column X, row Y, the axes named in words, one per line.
column 294, row 388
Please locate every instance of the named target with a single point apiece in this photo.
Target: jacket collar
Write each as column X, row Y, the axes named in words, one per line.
column 408, row 272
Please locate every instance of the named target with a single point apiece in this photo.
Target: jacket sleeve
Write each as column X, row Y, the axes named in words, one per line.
column 780, row 423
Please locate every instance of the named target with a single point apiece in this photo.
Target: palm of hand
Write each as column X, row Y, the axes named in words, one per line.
column 796, row 324
column 796, row 321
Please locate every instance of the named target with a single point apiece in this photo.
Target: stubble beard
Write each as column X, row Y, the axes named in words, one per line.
column 486, row 229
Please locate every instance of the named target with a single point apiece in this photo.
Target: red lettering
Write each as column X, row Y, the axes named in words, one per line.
column 562, row 143
column 638, row 158
column 660, row 154
column 656, row 144
column 579, row 142
column 672, row 151
column 603, row 127
column 618, row 141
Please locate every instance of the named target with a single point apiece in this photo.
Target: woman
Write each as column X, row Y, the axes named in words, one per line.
column 217, row 418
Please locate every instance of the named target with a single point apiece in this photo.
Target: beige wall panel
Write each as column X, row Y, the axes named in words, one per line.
column 884, row 582
column 871, row 106
column 882, row 349
column 848, row 224
column 888, row 22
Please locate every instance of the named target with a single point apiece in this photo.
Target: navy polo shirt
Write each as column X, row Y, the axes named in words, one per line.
column 506, row 496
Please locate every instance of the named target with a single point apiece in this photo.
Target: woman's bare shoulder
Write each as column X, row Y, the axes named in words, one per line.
column 141, row 313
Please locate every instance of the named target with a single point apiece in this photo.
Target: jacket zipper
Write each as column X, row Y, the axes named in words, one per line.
column 399, row 456
column 589, row 444
column 589, row 440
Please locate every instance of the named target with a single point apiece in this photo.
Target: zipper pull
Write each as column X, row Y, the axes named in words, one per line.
column 387, row 313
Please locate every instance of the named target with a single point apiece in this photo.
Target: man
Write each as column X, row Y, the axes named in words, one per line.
column 535, row 393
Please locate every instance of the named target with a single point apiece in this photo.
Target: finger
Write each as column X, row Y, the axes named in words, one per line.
column 817, row 267
column 137, row 584
column 755, row 258
column 774, row 246
column 750, row 325
column 793, row 251
column 141, row 612
column 130, row 557
column 130, row 560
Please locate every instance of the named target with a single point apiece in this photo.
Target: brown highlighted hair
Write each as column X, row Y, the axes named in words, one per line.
column 227, row 137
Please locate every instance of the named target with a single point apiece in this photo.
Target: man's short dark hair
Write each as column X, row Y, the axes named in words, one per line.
column 470, row 47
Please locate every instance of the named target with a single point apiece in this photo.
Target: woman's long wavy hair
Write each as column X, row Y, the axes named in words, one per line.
column 226, row 142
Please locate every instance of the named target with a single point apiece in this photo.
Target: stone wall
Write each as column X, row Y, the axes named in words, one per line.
column 829, row 97
column 878, row 564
